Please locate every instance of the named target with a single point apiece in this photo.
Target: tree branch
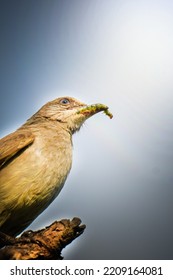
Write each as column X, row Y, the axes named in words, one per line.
column 44, row 244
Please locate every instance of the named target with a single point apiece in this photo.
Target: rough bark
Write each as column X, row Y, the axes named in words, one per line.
column 44, row 244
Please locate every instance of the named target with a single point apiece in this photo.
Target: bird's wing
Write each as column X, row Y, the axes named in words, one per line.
column 13, row 143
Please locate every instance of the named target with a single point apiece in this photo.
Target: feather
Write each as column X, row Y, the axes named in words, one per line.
column 13, row 143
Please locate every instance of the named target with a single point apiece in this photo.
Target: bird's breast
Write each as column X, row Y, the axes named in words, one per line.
column 51, row 162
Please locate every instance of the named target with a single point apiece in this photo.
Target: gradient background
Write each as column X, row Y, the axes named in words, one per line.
column 117, row 52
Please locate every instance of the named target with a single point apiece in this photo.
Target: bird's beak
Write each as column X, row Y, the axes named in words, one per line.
column 93, row 109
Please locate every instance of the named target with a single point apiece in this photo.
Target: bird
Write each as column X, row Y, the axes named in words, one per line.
column 36, row 159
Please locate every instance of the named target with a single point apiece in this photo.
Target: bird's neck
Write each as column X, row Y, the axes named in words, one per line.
column 47, row 126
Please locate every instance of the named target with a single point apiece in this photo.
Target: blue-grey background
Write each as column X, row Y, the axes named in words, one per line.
column 116, row 52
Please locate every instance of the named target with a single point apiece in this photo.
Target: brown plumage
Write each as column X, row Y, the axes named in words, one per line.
column 36, row 159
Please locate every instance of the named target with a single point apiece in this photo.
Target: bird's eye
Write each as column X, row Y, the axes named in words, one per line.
column 64, row 101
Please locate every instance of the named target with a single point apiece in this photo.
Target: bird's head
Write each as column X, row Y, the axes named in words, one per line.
column 70, row 112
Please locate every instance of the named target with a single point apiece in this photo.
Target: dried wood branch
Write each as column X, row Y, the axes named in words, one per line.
column 44, row 244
